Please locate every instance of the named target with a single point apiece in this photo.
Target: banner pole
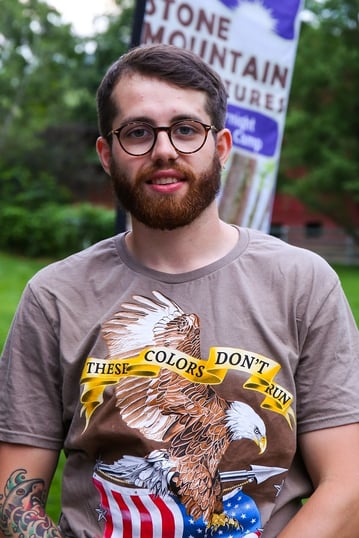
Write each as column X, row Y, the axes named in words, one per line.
column 138, row 18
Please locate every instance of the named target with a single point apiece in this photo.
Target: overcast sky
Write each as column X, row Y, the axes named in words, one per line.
column 81, row 13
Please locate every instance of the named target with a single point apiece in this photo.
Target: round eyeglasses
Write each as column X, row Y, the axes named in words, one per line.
column 186, row 136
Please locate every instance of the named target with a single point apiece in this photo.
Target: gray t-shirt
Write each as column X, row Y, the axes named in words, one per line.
column 178, row 398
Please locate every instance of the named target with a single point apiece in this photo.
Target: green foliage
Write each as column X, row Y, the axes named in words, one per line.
column 53, row 230
column 321, row 143
column 19, row 187
column 38, row 63
column 48, row 82
column 38, row 58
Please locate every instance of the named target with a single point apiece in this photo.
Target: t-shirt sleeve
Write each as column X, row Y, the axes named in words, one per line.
column 327, row 377
column 30, row 391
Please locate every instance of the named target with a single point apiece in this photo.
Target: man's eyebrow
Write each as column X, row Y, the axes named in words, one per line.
column 151, row 121
column 130, row 119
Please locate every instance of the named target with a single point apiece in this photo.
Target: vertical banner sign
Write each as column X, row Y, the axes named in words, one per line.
column 252, row 46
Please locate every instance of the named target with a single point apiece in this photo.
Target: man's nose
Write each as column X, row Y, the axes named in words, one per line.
column 163, row 147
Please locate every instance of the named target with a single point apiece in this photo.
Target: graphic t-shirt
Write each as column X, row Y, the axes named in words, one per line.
column 178, row 398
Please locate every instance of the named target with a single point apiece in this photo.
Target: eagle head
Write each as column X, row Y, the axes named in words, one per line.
column 244, row 423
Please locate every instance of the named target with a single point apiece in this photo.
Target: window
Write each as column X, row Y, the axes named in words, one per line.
column 277, row 230
column 313, row 229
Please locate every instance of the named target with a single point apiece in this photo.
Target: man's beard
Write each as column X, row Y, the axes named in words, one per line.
column 167, row 211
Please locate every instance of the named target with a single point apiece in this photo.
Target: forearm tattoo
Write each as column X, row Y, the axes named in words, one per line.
column 22, row 508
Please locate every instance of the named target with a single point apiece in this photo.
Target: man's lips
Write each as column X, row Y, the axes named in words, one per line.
column 165, row 177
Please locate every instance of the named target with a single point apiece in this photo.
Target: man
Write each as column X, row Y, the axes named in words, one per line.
column 201, row 378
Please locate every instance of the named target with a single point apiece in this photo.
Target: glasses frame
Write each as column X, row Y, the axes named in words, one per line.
column 156, row 130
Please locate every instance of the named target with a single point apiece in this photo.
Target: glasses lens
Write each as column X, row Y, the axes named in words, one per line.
column 188, row 136
column 136, row 138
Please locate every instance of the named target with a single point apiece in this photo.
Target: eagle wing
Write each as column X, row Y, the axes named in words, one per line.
column 164, row 407
column 148, row 322
column 152, row 405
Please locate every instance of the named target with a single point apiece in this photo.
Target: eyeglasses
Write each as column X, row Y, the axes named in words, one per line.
column 186, row 136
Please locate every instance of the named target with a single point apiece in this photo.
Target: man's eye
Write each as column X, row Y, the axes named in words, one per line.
column 185, row 130
column 138, row 132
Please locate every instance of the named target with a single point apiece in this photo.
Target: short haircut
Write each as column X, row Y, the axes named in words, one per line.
column 174, row 65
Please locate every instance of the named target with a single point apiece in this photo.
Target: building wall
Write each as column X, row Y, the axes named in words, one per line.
column 295, row 224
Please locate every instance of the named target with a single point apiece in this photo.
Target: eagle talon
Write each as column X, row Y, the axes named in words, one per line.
column 222, row 520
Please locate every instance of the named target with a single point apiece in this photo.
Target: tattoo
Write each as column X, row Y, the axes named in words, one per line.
column 22, row 508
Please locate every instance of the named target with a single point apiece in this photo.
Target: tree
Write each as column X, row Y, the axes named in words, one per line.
column 77, row 139
column 320, row 155
column 37, row 59
column 48, row 81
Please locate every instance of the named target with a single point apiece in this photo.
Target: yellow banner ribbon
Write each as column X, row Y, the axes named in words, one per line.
column 97, row 374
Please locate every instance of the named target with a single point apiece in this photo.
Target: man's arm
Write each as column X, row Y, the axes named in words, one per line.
column 25, row 476
column 332, row 459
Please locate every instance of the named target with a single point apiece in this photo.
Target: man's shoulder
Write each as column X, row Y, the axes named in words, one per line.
column 274, row 253
column 95, row 259
column 270, row 244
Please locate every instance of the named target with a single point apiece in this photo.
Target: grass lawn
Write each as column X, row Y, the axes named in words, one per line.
column 349, row 277
column 14, row 273
column 16, row 270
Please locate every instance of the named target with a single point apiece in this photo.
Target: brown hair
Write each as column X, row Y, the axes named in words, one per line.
column 169, row 63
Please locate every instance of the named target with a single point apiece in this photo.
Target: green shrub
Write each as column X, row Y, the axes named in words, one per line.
column 20, row 186
column 53, row 230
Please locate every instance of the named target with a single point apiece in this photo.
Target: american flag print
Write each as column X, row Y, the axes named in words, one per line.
column 137, row 513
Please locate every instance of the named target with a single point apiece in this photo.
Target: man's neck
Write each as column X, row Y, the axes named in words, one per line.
column 184, row 249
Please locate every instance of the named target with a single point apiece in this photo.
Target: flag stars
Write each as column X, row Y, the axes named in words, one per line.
column 101, row 513
column 278, row 488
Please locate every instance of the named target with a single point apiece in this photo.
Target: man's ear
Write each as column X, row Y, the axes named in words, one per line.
column 224, row 145
column 104, row 153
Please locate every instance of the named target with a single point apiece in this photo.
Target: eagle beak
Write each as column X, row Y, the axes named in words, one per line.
column 262, row 444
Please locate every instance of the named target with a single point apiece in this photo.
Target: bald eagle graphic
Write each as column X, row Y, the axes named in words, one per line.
column 196, row 424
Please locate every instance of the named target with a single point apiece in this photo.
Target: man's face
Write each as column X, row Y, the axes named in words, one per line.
column 163, row 189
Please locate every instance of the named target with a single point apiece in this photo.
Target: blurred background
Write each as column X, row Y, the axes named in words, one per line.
column 54, row 196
